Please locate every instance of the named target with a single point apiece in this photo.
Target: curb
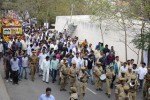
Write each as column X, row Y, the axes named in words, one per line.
column 3, row 92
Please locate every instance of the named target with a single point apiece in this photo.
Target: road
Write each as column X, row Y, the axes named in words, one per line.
column 28, row 90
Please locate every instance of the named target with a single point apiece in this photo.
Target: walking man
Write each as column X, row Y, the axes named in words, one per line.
column 15, row 68
column 47, row 96
column 54, row 68
column 46, row 67
column 64, row 71
column 33, row 64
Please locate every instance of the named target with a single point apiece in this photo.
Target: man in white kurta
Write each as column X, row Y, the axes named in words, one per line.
column 46, row 67
column 41, row 56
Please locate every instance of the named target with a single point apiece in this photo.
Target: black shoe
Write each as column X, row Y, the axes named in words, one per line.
column 47, row 82
column 97, row 89
column 61, row 89
column 108, row 95
column 64, row 90
column 100, row 89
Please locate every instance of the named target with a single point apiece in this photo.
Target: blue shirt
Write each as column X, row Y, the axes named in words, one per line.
column 44, row 97
column 54, row 64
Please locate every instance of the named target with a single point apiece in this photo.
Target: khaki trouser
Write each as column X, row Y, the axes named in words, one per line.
column 132, row 96
column 63, row 81
column 108, row 82
column 98, row 83
column 83, row 86
column 33, row 70
column 73, row 82
column 145, row 90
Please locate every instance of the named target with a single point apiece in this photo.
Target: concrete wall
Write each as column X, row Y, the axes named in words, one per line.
column 112, row 31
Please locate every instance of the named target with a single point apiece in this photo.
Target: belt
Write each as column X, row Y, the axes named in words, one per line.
column 83, row 81
column 33, row 63
column 132, row 91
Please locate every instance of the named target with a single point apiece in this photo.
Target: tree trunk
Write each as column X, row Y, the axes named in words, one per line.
column 148, row 65
column 102, row 33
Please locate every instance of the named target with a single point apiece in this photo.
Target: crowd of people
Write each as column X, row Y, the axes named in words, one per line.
column 56, row 54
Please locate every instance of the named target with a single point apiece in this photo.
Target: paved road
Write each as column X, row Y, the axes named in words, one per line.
column 28, row 90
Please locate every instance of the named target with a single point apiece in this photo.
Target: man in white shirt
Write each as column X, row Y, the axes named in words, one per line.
column 118, row 62
column 46, row 67
column 1, row 50
column 77, row 60
column 47, row 96
column 29, row 50
column 41, row 56
column 142, row 71
column 10, row 43
column 25, row 64
column 123, row 68
column 24, row 45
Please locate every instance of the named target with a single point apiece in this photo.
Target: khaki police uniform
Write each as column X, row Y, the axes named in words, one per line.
column 73, row 95
column 33, row 65
column 119, row 88
column 62, row 63
column 97, row 73
column 124, row 95
column 109, row 75
column 133, row 89
column 64, row 71
column 73, row 77
column 83, row 83
column 147, row 85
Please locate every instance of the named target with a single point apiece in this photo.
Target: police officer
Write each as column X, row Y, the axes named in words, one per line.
column 33, row 64
column 73, row 94
column 124, row 95
column 109, row 76
column 98, row 70
column 119, row 87
column 62, row 63
column 83, row 82
column 73, row 73
column 147, row 85
column 133, row 85
column 64, row 71
column 129, row 74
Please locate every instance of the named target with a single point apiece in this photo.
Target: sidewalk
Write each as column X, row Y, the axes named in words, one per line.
column 3, row 91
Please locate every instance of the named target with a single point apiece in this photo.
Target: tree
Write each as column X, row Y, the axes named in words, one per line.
column 143, row 15
column 101, row 11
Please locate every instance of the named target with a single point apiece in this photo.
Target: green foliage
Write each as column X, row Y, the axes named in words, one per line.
column 142, row 41
column 47, row 9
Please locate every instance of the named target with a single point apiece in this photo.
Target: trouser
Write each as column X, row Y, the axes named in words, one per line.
column 141, row 83
column 90, row 72
column 98, row 83
column 39, row 70
column 108, row 82
column 54, row 74
column 15, row 77
column 73, row 82
column 25, row 72
column 20, row 73
column 46, row 74
column 112, row 82
column 8, row 72
column 132, row 96
column 1, row 55
column 83, row 86
column 145, row 90
column 63, row 82
column 33, row 70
